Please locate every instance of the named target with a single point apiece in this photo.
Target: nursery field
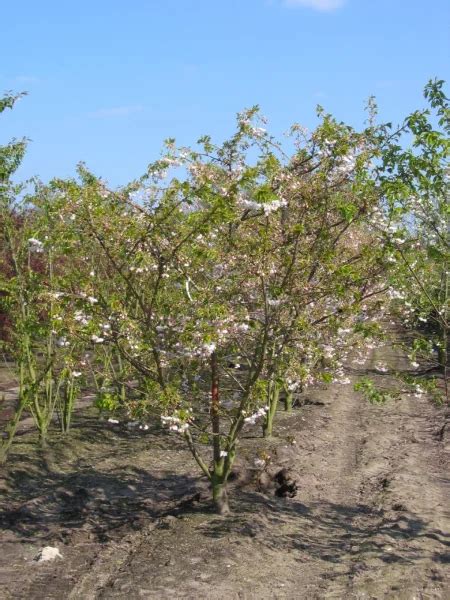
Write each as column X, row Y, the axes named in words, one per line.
column 229, row 378
column 132, row 519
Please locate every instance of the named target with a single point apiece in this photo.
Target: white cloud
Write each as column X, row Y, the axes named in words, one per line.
column 115, row 111
column 26, row 79
column 321, row 5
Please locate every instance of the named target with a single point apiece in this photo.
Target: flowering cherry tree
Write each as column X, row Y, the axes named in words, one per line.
column 218, row 288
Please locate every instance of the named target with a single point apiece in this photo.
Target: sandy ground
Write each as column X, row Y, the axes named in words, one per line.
column 370, row 519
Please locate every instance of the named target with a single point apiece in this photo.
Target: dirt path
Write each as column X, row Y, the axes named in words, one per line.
column 370, row 520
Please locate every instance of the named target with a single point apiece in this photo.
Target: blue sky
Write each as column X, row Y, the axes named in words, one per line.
column 109, row 80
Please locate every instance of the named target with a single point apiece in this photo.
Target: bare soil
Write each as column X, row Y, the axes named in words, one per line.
column 131, row 516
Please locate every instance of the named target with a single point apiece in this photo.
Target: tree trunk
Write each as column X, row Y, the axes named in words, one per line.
column 288, row 401
column 220, row 474
column 215, row 408
column 220, row 498
column 43, row 438
column 274, row 394
column 11, row 432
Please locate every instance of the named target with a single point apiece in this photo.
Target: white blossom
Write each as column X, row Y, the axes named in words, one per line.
column 174, row 423
column 261, row 412
column 35, row 245
column 267, row 207
column 209, row 348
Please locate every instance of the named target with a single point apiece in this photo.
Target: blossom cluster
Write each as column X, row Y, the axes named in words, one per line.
column 176, row 423
column 260, row 413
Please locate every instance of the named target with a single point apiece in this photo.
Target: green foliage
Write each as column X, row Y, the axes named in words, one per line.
column 12, row 154
column 326, row 377
column 107, row 401
column 371, row 392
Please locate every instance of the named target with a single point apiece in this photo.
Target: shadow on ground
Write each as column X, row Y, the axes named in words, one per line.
column 331, row 532
column 68, row 490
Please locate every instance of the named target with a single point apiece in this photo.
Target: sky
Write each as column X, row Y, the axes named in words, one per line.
column 108, row 81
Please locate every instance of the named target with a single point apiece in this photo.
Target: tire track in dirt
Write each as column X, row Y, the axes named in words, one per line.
column 384, row 464
column 370, row 519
